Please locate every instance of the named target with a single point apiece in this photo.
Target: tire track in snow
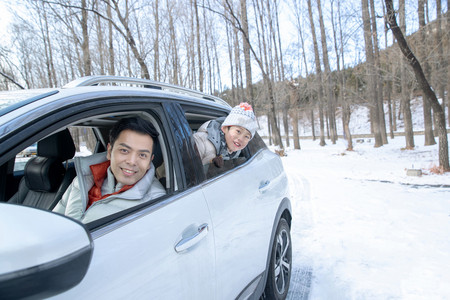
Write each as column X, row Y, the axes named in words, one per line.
column 300, row 285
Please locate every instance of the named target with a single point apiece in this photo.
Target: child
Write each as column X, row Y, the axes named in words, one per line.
column 224, row 138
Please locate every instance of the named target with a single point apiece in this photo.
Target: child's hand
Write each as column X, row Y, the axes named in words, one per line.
column 218, row 161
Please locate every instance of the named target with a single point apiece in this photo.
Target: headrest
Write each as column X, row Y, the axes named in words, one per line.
column 59, row 145
column 43, row 174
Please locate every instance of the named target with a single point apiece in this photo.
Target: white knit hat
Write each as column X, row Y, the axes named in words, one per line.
column 242, row 115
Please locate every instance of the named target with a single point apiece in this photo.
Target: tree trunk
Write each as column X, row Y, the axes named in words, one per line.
column 331, row 99
column 319, row 75
column 247, row 62
column 173, row 46
column 313, row 127
column 441, row 66
column 199, row 48
column 156, row 68
column 448, row 68
column 428, row 120
column 293, row 113
column 371, row 74
column 405, row 104
column 111, row 69
column 424, row 85
column 85, row 44
column 378, row 79
column 100, row 43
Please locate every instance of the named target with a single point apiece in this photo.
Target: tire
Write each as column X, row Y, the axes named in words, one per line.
column 280, row 265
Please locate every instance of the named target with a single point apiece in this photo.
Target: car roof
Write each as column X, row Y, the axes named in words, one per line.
column 15, row 103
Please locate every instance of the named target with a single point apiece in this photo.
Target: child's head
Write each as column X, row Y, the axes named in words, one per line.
column 239, row 126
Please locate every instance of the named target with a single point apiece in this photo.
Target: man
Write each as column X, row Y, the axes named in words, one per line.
column 122, row 177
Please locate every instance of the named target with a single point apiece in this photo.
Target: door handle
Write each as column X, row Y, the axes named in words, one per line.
column 264, row 186
column 188, row 242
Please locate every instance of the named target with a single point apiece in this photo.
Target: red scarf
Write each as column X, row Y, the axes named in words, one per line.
column 99, row 171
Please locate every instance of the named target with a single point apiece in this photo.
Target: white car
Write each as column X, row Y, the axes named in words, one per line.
column 219, row 235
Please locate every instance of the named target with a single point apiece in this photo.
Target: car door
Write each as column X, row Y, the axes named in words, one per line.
column 141, row 256
column 164, row 251
column 158, row 250
column 243, row 203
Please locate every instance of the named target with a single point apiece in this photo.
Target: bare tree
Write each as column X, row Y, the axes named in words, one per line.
column 378, row 89
column 85, row 45
column 441, row 65
column 156, row 68
column 371, row 73
column 232, row 18
column 319, row 75
column 424, row 85
column 247, row 62
column 339, row 50
column 406, row 104
column 331, row 98
column 199, row 48
column 387, row 67
column 428, row 121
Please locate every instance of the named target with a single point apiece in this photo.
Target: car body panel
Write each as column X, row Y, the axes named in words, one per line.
column 243, row 210
column 138, row 261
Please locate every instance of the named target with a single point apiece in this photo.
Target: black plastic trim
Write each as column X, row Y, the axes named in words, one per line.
column 48, row 279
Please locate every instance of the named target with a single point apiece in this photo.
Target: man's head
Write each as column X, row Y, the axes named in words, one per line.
column 130, row 150
column 239, row 126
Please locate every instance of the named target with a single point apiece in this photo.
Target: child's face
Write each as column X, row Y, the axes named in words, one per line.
column 236, row 137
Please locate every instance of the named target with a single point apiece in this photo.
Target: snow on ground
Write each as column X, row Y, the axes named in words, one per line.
column 362, row 228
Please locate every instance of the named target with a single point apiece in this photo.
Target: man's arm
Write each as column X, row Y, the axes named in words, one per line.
column 70, row 203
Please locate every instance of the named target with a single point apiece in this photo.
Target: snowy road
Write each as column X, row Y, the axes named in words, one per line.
column 362, row 229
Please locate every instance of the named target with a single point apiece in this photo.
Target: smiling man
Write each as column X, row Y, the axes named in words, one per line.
column 122, row 177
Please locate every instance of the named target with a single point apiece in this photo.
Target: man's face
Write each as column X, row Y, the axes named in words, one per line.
column 130, row 156
column 237, row 137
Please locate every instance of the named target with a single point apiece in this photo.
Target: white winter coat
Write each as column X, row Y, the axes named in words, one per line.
column 74, row 201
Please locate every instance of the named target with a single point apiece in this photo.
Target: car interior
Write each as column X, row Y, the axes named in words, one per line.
column 40, row 180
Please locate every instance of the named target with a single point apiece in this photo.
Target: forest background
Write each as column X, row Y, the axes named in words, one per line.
column 291, row 59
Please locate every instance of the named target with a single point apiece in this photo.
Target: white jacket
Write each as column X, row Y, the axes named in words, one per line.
column 74, row 201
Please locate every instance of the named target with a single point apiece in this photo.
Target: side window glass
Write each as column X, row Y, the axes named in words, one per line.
column 84, row 140
column 24, row 156
column 255, row 145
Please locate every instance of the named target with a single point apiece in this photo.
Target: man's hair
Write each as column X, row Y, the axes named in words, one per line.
column 136, row 124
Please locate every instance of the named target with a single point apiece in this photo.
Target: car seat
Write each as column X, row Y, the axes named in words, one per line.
column 45, row 177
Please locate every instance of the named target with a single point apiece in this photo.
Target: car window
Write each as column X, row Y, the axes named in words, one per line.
column 90, row 136
column 197, row 122
column 24, row 156
column 83, row 138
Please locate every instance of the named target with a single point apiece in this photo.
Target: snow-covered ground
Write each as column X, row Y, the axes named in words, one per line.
column 362, row 228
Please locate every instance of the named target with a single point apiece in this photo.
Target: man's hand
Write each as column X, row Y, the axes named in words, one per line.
column 218, row 161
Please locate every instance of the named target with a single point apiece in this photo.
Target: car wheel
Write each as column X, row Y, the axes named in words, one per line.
column 279, row 275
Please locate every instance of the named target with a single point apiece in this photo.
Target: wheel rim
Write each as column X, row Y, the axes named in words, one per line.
column 282, row 261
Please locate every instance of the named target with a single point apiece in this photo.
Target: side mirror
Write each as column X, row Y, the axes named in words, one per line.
column 41, row 253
